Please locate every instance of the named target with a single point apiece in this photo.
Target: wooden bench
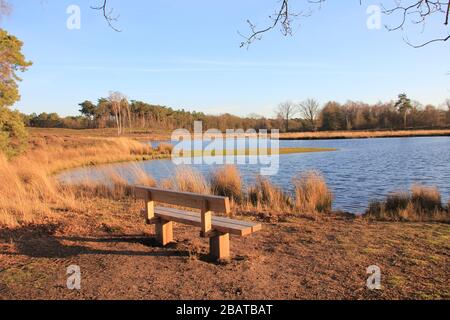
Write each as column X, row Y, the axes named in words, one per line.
column 216, row 228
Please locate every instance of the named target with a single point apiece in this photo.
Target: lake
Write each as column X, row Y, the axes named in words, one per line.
column 361, row 170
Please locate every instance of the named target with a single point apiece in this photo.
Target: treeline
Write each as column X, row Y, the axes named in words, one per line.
column 117, row 112
column 361, row 116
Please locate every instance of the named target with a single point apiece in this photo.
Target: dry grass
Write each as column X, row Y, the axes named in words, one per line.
column 362, row 134
column 263, row 195
column 112, row 184
column 312, row 194
column 138, row 134
column 57, row 153
column 421, row 203
column 30, row 194
column 189, row 180
column 226, row 181
column 165, row 148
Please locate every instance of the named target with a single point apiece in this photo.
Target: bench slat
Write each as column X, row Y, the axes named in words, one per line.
column 255, row 226
column 184, row 199
column 223, row 225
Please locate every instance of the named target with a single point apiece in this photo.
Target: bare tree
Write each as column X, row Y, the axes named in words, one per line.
column 286, row 111
column 107, row 14
column 309, row 110
column 420, row 11
column 125, row 107
column 116, row 98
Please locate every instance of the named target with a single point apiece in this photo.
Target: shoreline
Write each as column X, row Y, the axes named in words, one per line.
column 340, row 135
column 164, row 136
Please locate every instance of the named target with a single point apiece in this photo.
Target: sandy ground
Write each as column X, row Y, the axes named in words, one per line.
column 291, row 258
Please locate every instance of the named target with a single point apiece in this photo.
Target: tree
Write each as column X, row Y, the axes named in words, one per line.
column 448, row 112
column 13, row 134
column 309, row 110
column 116, row 99
column 125, row 107
column 332, row 117
column 404, row 106
column 12, row 61
column 286, row 111
column 12, row 128
column 88, row 109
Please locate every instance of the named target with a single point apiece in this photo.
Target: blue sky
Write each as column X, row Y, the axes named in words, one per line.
column 186, row 54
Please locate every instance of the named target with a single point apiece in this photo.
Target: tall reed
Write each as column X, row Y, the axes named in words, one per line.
column 312, row 194
column 264, row 195
column 189, row 180
column 226, row 181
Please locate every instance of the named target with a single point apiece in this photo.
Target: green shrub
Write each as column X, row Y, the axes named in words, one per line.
column 13, row 134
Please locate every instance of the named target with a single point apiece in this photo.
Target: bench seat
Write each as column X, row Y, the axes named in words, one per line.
column 221, row 224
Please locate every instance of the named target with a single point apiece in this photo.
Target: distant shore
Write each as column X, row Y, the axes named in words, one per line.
column 323, row 135
column 164, row 135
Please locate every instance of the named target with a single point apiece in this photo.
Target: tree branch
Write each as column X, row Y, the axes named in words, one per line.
column 110, row 19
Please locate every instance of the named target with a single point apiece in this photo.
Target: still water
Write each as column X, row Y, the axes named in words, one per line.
column 361, row 169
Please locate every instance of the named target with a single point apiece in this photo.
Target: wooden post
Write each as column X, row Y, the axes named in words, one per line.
column 149, row 208
column 219, row 246
column 164, row 232
column 205, row 219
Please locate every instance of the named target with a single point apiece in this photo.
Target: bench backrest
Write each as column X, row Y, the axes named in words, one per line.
column 184, row 199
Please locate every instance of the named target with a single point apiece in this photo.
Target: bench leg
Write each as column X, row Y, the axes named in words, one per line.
column 219, row 246
column 164, row 232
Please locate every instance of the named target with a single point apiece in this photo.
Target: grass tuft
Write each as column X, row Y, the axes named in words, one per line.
column 189, row 180
column 421, row 203
column 165, row 148
column 312, row 194
column 226, row 182
column 264, row 195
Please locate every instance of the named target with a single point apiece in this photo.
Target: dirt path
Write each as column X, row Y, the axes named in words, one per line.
column 301, row 258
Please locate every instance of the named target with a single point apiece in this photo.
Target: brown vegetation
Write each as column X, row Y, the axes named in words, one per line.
column 30, row 194
column 362, row 134
column 420, row 204
column 263, row 195
column 165, row 148
column 226, row 181
column 312, row 194
column 189, row 180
